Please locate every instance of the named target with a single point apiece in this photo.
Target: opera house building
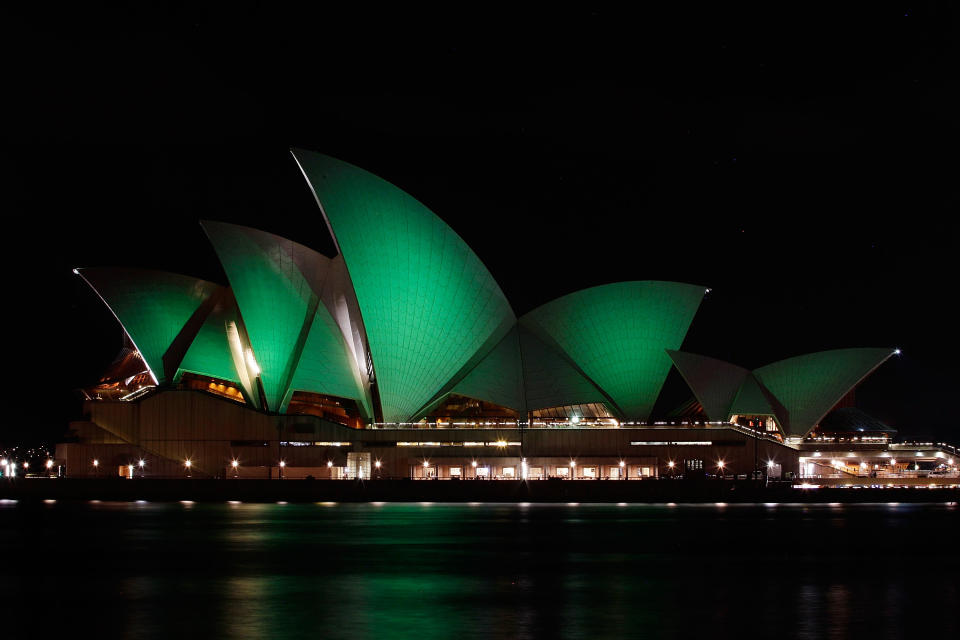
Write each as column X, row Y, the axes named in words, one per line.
column 401, row 357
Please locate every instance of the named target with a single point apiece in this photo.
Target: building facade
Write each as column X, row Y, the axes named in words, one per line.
column 401, row 356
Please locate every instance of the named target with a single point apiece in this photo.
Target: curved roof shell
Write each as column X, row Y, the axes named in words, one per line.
column 810, row 385
column 278, row 285
column 427, row 301
column 714, row 382
column 617, row 334
column 798, row 391
column 154, row 308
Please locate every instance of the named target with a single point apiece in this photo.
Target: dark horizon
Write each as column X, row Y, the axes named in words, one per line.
column 812, row 188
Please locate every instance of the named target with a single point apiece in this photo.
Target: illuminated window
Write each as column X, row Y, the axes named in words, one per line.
column 455, row 472
column 509, row 472
column 483, row 472
column 563, row 472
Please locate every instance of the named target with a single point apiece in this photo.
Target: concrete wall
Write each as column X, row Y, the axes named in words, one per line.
column 169, row 427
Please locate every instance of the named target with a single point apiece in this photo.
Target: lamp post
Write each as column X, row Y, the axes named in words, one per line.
column 188, row 464
column 236, row 468
column 142, row 463
column 283, row 463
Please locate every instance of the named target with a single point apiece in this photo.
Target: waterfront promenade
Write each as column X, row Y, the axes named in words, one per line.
column 390, row 490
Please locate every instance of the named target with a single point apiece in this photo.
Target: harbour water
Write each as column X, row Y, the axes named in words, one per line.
column 400, row 570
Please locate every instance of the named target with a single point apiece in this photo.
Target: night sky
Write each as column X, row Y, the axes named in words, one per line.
column 803, row 165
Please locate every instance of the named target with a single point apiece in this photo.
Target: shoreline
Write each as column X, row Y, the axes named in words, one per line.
column 505, row 491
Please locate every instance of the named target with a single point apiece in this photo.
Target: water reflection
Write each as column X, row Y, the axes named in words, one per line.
column 396, row 570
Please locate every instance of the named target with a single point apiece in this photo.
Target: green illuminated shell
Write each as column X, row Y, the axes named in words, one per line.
column 427, row 301
column 209, row 353
column 295, row 342
column 617, row 334
column 808, row 386
column 152, row 306
column 714, row 382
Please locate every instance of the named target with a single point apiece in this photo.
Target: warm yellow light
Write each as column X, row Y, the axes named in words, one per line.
column 49, row 463
column 622, row 464
column 141, row 463
column 96, row 462
column 377, row 464
column 670, row 464
column 329, row 463
column 473, row 464
column 425, row 464
column 573, row 463
column 187, row 463
column 283, row 463
column 501, row 443
column 893, row 462
column 721, row 464
column 234, row 464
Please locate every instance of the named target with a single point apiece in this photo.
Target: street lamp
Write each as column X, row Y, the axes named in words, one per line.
column 188, row 463
column 720, row 466
column 141, row 463
column 623, row 466
column 235, row 465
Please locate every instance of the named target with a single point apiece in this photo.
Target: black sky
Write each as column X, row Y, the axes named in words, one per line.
column 801, row 164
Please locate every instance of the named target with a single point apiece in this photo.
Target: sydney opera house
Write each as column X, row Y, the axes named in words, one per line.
column 401, row 357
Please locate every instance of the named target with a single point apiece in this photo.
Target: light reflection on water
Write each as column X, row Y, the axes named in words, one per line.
column 393, row 570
